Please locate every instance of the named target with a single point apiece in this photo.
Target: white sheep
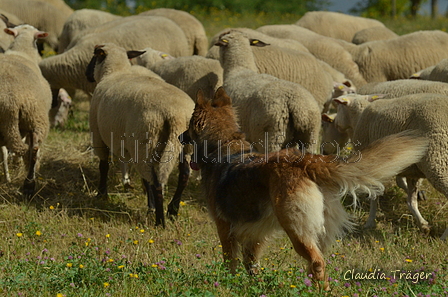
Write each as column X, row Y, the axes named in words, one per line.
column 189, row 73
column 400, row 57
column 324, row 48
column 67, row 70
column 192, row 27
column 41, row 15
column 425, row 112
column 372, row 34
column 213, row 51
column 80, row 20
column 438, row 72
column 137, row 117
column 401, row 87
column 274, row 113
column 25, row 99
column 335, row 24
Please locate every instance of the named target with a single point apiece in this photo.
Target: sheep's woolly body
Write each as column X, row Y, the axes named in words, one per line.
column 192, row 27
column 81, row 20
column 25, row 99
column 335, row 24
column 400, row 57
column 284, row 110
column 187, row 73
column 424, row 112
column 372, row 34
column 401, row 87
column 41, row 15
column 137, row 117
column 324, row 48
column 67, row 70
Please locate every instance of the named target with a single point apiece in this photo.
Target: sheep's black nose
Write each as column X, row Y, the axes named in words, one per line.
column 185, row 138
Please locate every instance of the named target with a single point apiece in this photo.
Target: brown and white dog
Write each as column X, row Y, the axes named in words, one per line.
column 251, row 195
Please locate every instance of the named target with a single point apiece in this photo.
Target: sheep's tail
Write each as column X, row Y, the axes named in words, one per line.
column 365, row 171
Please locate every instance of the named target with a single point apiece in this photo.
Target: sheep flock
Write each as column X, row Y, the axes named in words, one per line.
column 331, row 83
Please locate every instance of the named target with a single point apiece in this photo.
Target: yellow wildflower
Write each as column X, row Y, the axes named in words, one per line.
column 142, row 230
column 292, row 286
column 69, row 265
column 409, row 260
column 106, row 285
column 19, row 234
column 38, row 233
column 107, row 235
column 382, row 249
column 151, row 241
column 135, row 241
column 81, row 266
column 182, row 203
column 121, row 267
column 51, row 207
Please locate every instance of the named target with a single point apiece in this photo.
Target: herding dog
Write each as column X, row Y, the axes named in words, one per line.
column 250, row 195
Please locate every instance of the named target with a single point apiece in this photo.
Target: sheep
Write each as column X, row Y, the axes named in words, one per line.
column 436, row 72
column 400, row 57
column 41, row 15
column 213, row 51
column 66, row 70
column 80, row 20
column 192, row 27
column 426, row 112
column 324, row 48
column 60, row 5
column 59, row 113
column 401, row 87
column 189, row 73
column 372, row 34
column 335, row 24
column 274, row 113
column 137, row 117
column 25, row 99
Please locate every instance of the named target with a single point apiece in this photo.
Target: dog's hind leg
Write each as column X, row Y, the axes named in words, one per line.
column 229, row 244
column 311, row 252
column 251, row 254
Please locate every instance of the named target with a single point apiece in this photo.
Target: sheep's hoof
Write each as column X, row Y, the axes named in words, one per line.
column 425, row 229
column 29, row 187
column 421, row 195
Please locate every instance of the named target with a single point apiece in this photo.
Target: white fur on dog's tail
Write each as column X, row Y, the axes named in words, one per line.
column 365, row 172
column 378, row 162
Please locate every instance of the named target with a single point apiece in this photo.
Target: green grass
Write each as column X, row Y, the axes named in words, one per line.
column 66, row 241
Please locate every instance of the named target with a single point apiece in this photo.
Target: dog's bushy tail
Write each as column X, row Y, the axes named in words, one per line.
column 365, row 171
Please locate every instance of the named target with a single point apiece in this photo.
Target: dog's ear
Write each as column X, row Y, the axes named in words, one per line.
column 200, row 98
column 221, row 98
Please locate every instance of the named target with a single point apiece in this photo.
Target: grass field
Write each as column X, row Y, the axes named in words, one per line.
column 66, row 242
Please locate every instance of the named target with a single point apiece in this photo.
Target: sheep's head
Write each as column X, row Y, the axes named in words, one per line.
column 18, row 30
column 226, row 36
column 100, row 54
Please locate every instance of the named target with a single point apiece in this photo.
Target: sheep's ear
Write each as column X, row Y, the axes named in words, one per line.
column 90, row 70
column 256, row 42
column 11, row 31
column 134, row 54
column 200, row 98
column 40, row 34
column 342, row 100
column 329, row 118
column 375, row 97
column 221, row 98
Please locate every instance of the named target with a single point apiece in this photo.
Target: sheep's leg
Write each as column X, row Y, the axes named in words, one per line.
column 229, row 244
column 184, row 173
column 157, row 192
column 251, row 254
column 10, row 130
column 126, row 181
column 401, row 182
column 413, row 204
column 104, row 170
column 149, row 195
column 5, row 164
column 372, row 214
column 29, row 184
